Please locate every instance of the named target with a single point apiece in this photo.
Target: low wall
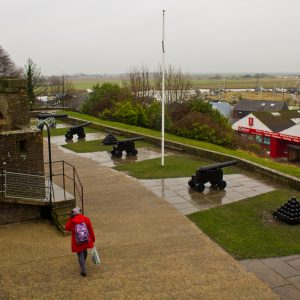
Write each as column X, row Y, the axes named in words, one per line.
column 14, row 213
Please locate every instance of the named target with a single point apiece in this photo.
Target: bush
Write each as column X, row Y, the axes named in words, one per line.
column 153, row 112
column 125, row 113
column 206, row 108
column 106, row 114
column 200, row 126
column 143, row 120
column 103, row 97
column 130, row 114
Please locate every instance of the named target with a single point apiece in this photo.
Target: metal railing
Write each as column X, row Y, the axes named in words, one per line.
column 64, row 175
column 24, row 184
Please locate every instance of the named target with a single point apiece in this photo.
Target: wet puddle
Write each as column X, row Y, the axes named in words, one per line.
column 177, row 192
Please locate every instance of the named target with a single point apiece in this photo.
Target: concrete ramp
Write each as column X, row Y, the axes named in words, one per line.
column 148, row 249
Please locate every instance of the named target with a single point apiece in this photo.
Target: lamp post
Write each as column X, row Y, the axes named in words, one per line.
column 48, row 120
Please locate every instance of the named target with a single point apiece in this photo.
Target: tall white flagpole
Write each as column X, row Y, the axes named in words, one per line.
column 163, row 95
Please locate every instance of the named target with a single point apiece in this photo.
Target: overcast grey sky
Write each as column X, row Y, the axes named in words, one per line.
column 97, row 36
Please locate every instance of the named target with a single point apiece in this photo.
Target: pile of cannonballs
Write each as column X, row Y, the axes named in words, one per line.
column 289, row 212
column 110, row 139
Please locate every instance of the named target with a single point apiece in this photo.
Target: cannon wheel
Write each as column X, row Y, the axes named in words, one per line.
column 132, row 152
column 213, row 183
column 116, row 153
column 191, row 183
column 69, row 137
column 200, row 187
column 221, row 185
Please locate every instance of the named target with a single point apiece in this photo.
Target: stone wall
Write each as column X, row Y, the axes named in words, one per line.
column 20, row 146
column 14, row 106
column 13, row 212
column 22, row 149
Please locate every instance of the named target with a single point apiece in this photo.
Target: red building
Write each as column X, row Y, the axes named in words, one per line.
column 279, row 132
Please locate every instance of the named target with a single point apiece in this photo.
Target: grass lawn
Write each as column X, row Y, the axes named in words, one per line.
column 96, row 145
column 246, row 229
column 282, row 167
column 175, row 166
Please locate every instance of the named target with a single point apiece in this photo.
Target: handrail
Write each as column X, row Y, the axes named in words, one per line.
column 63, row 172
column 77, row 188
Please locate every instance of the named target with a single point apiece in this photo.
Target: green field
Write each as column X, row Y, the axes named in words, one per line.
column 245, row 83
column 88, row 84
column 205, row 83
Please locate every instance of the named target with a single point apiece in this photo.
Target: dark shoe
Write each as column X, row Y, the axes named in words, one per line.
column 83, row 274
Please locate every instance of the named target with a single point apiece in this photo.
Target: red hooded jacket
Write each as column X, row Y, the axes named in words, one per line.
column 70, row 226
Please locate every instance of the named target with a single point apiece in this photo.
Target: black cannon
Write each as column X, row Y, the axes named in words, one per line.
column 76, row 129
column 212, row 174
column 127, row 145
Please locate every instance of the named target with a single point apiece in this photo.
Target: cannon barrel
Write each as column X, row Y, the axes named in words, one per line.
column 46, row 116
column 80, row 125
column 131, row 140
column 218, row 166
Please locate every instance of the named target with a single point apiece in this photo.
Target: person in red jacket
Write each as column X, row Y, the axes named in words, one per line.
column 77, row 218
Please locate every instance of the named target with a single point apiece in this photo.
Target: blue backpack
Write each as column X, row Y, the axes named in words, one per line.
column 81, row 233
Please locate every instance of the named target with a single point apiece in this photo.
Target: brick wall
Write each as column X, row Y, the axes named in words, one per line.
column 22, row 149
column 14, row 213
column 20, row 146
column 14, row 106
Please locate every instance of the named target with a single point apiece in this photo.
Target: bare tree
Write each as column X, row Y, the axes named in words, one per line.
column 177, row 84
column 54, row 85
column 59, row 85
column 68, row 86
column 7, row 66
column 138, row 82
column 61, row 88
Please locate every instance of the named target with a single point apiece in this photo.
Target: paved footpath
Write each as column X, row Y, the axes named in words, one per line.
column 282, row 274
column 149, row 250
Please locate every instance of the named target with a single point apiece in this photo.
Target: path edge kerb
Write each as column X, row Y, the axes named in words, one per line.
column 278, row 176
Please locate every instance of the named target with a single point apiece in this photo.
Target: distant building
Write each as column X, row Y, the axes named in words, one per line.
column 245, row 107
column 279, row 132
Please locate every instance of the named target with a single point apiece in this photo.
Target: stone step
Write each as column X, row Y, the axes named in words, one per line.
column 61, row 212
column 65, row 203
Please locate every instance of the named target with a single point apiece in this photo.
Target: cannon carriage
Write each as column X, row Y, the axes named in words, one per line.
column 127, row 145
column 76, row 129
column 212, row 174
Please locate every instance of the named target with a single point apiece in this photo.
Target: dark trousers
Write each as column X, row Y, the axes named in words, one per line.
column 81, row 259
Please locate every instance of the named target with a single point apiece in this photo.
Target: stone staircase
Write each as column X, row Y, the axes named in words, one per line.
column 60, row 213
